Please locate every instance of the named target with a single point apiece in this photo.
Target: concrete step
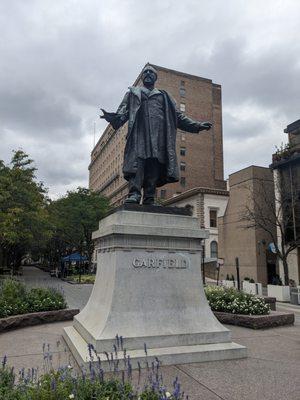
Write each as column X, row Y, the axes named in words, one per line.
column 166, row 355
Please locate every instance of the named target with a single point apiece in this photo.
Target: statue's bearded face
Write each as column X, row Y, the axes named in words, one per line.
column 149, row 77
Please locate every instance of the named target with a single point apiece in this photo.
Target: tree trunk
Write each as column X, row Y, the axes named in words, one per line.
column 286, row 272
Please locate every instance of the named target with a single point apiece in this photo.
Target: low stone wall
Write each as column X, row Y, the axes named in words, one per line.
column 44, row 317
column 271, row 301
column 272, row 320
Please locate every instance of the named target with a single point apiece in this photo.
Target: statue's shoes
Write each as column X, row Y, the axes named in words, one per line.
column 149, row 201
column 133, row 199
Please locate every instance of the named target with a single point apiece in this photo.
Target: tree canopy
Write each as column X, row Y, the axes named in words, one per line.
column 30, row 223
column 23, row 214
column 74, row 217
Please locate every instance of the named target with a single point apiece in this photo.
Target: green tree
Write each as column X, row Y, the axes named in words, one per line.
column 74, row 217
column 23, row 213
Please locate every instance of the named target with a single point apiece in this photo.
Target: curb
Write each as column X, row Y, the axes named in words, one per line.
column 36, row 318
column 272, row 320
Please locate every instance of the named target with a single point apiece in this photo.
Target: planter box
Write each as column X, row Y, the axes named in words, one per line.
column 229, row 284
column 282, row 293
column 252, row 288
column 295, row 295
column 272, row 320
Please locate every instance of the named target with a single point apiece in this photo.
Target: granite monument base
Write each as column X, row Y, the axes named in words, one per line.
column 149, row 290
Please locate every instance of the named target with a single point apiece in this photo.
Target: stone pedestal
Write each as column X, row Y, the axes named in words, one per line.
column 148, row 289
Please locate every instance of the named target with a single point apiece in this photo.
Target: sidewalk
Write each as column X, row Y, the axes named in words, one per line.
column 76, row 295
column 271, row 371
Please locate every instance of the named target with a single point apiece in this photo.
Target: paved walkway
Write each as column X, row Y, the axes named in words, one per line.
column 76, row 295
column 271, row 371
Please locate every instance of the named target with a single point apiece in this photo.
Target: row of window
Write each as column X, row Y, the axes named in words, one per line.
column 182, row 93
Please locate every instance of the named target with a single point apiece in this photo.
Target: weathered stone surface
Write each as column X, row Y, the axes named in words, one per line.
column 158, row 209
column 149, row 289
column 275, row 318
column 44, row 317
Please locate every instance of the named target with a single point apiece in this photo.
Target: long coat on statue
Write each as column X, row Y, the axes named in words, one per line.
column 173, row 119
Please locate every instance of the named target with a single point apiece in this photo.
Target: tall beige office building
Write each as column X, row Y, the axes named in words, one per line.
column 200, row 156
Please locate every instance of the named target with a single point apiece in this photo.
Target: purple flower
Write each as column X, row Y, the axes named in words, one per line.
column 118, row 340
column 4, row 361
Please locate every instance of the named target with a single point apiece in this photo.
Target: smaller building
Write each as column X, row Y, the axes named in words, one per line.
column 286, row 170
column 250, row 245
column 207, row 205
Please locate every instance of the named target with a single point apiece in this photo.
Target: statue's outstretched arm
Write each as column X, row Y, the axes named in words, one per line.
column 118, row 118
column 189, row 125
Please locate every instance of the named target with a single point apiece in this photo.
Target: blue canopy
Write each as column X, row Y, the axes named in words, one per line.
column 74, row 257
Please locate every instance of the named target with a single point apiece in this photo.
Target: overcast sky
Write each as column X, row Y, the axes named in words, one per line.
column 60, row 60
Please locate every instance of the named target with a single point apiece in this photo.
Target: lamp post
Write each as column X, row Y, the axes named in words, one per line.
column 237, row 265
column 82, row 254
column 203, row 264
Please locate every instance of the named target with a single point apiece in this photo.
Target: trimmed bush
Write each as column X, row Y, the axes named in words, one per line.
column 232, row 301
column 16, row 299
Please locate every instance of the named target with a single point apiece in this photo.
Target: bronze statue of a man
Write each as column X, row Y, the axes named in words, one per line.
column 150, row 153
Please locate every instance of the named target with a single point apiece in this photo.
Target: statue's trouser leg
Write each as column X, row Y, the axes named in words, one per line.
column 151, row 175
column 136, row 182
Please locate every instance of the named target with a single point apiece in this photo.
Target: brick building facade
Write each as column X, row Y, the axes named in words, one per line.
column 250, row 245
column 200, row 156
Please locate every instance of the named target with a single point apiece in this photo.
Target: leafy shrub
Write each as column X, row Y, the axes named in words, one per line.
column 15, row 299
column 45, row 299
column 232, row 301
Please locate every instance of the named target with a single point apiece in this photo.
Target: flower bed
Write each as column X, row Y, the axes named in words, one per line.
column 232, row 301
column 65, row 384
column 16, row 299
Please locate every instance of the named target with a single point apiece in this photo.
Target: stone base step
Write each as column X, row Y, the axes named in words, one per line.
column 166, row 355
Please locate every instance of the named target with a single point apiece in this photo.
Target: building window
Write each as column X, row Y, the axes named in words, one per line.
column 213, row 218
column 182, row 91
column 182, row 83
column 213, row 249
column 182, row 107
column 182, row 151
column 182, row 166
column 163, row 193
column 182, row 181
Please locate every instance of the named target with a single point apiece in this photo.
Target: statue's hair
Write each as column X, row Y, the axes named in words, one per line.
column 148, row 66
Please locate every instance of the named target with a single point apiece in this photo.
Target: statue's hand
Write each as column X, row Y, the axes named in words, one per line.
column 206, row 126
column 104, row 113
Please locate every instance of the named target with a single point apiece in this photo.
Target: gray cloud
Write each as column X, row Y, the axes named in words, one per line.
column 60, row 61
